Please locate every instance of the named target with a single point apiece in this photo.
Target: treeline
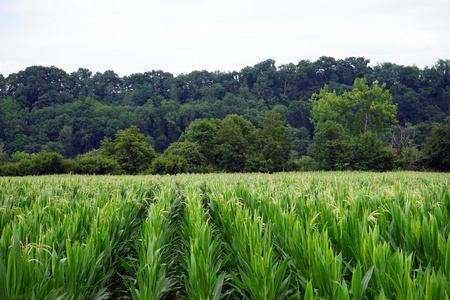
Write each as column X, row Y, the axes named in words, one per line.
column 229, row 145
column 45, row 109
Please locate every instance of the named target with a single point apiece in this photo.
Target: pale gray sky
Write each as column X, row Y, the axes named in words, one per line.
column 134, row 36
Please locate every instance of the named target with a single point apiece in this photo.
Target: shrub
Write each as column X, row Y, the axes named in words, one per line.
column 437, row 147
column 48, row 163
column 98, row 165
column 169, row 164
column 305, row 163
column 41, row 164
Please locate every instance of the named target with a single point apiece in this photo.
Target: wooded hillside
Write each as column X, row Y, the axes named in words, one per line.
column 47, row 109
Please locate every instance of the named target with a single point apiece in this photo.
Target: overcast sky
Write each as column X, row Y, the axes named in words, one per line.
column 134, row 36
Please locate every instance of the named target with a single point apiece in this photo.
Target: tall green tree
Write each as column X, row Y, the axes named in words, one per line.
column 345, row 124
column 191, row 151
column 274, row 141
column 437, row 147
column 129, row 149
column 232, row 142
column 330, row 145
column 371, row 108
column 203, row 132
column 328, row 106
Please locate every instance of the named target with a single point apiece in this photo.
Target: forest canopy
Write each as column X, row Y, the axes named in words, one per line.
column 47, row 110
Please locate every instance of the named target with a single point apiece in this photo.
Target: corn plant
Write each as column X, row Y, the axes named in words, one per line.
column 156, row 239
column 203, row 258
column 68, row 246
column 260, row 274
column 319, row 235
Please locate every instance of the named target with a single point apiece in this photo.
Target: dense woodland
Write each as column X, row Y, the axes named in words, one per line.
column 261, row 118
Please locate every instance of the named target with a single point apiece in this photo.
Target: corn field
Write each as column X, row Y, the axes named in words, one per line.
column 335, row 235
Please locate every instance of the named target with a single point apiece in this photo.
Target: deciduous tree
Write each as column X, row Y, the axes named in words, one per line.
column 130, row 150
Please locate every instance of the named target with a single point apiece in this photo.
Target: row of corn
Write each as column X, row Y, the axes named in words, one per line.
column 255, row 236
column 62, row 238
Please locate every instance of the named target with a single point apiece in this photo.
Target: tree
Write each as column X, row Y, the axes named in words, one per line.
column 328, row 106
column 203, row 131
column 299, row 113
column 437, row 147
column 37, row 103
column 350, row 68
column 106, row 86
column 372, row 108
column 98, row 165
column 2, row 87
column 330, row 145
column 169, row 164
column 4, row 157
column 232, row 142
column 404, row 146
column 275, row 144
column 300, row 141
column 11, row 121
column 191, row 151
column 345, row 124
column 369, row 153
column 66, row 139
column 129, row 149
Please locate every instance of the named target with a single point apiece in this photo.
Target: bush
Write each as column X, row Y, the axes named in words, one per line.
column 257, row 163
column 41, row 164
column 48, row 163
column 169, row 164
column 368, row 153
column 409, row 158
column 4, row 158
column 20, row 155
column 305, row 163
column 437, row 147
column 129, row 149
column 98, row 165
column 10, row 169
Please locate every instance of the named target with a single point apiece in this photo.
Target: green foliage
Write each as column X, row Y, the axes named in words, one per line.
column 330, row 145
column 372, row 109
column 317, row 235
column 328, row 106
column 437, row 147
column 274, row 142
column 300, row 140
column 98, row 165
column 168, row 164
column 54, row 147
column 261, row 273
column 235, row 145
column 203, row 131
column 232, row 142
column 4, row 157
column 191, row 151
column 203, row 257
column 153, row 267
column 48, row 163
column 348, row 128
column 71, row 246
column 46, row 109
column 370, row 153
column 18, row 156
column 361, row 110
column 129, row 149
column 304, row 164
column 40, row 164
column 257, row 163
column 409, row 158
column 405, row 142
